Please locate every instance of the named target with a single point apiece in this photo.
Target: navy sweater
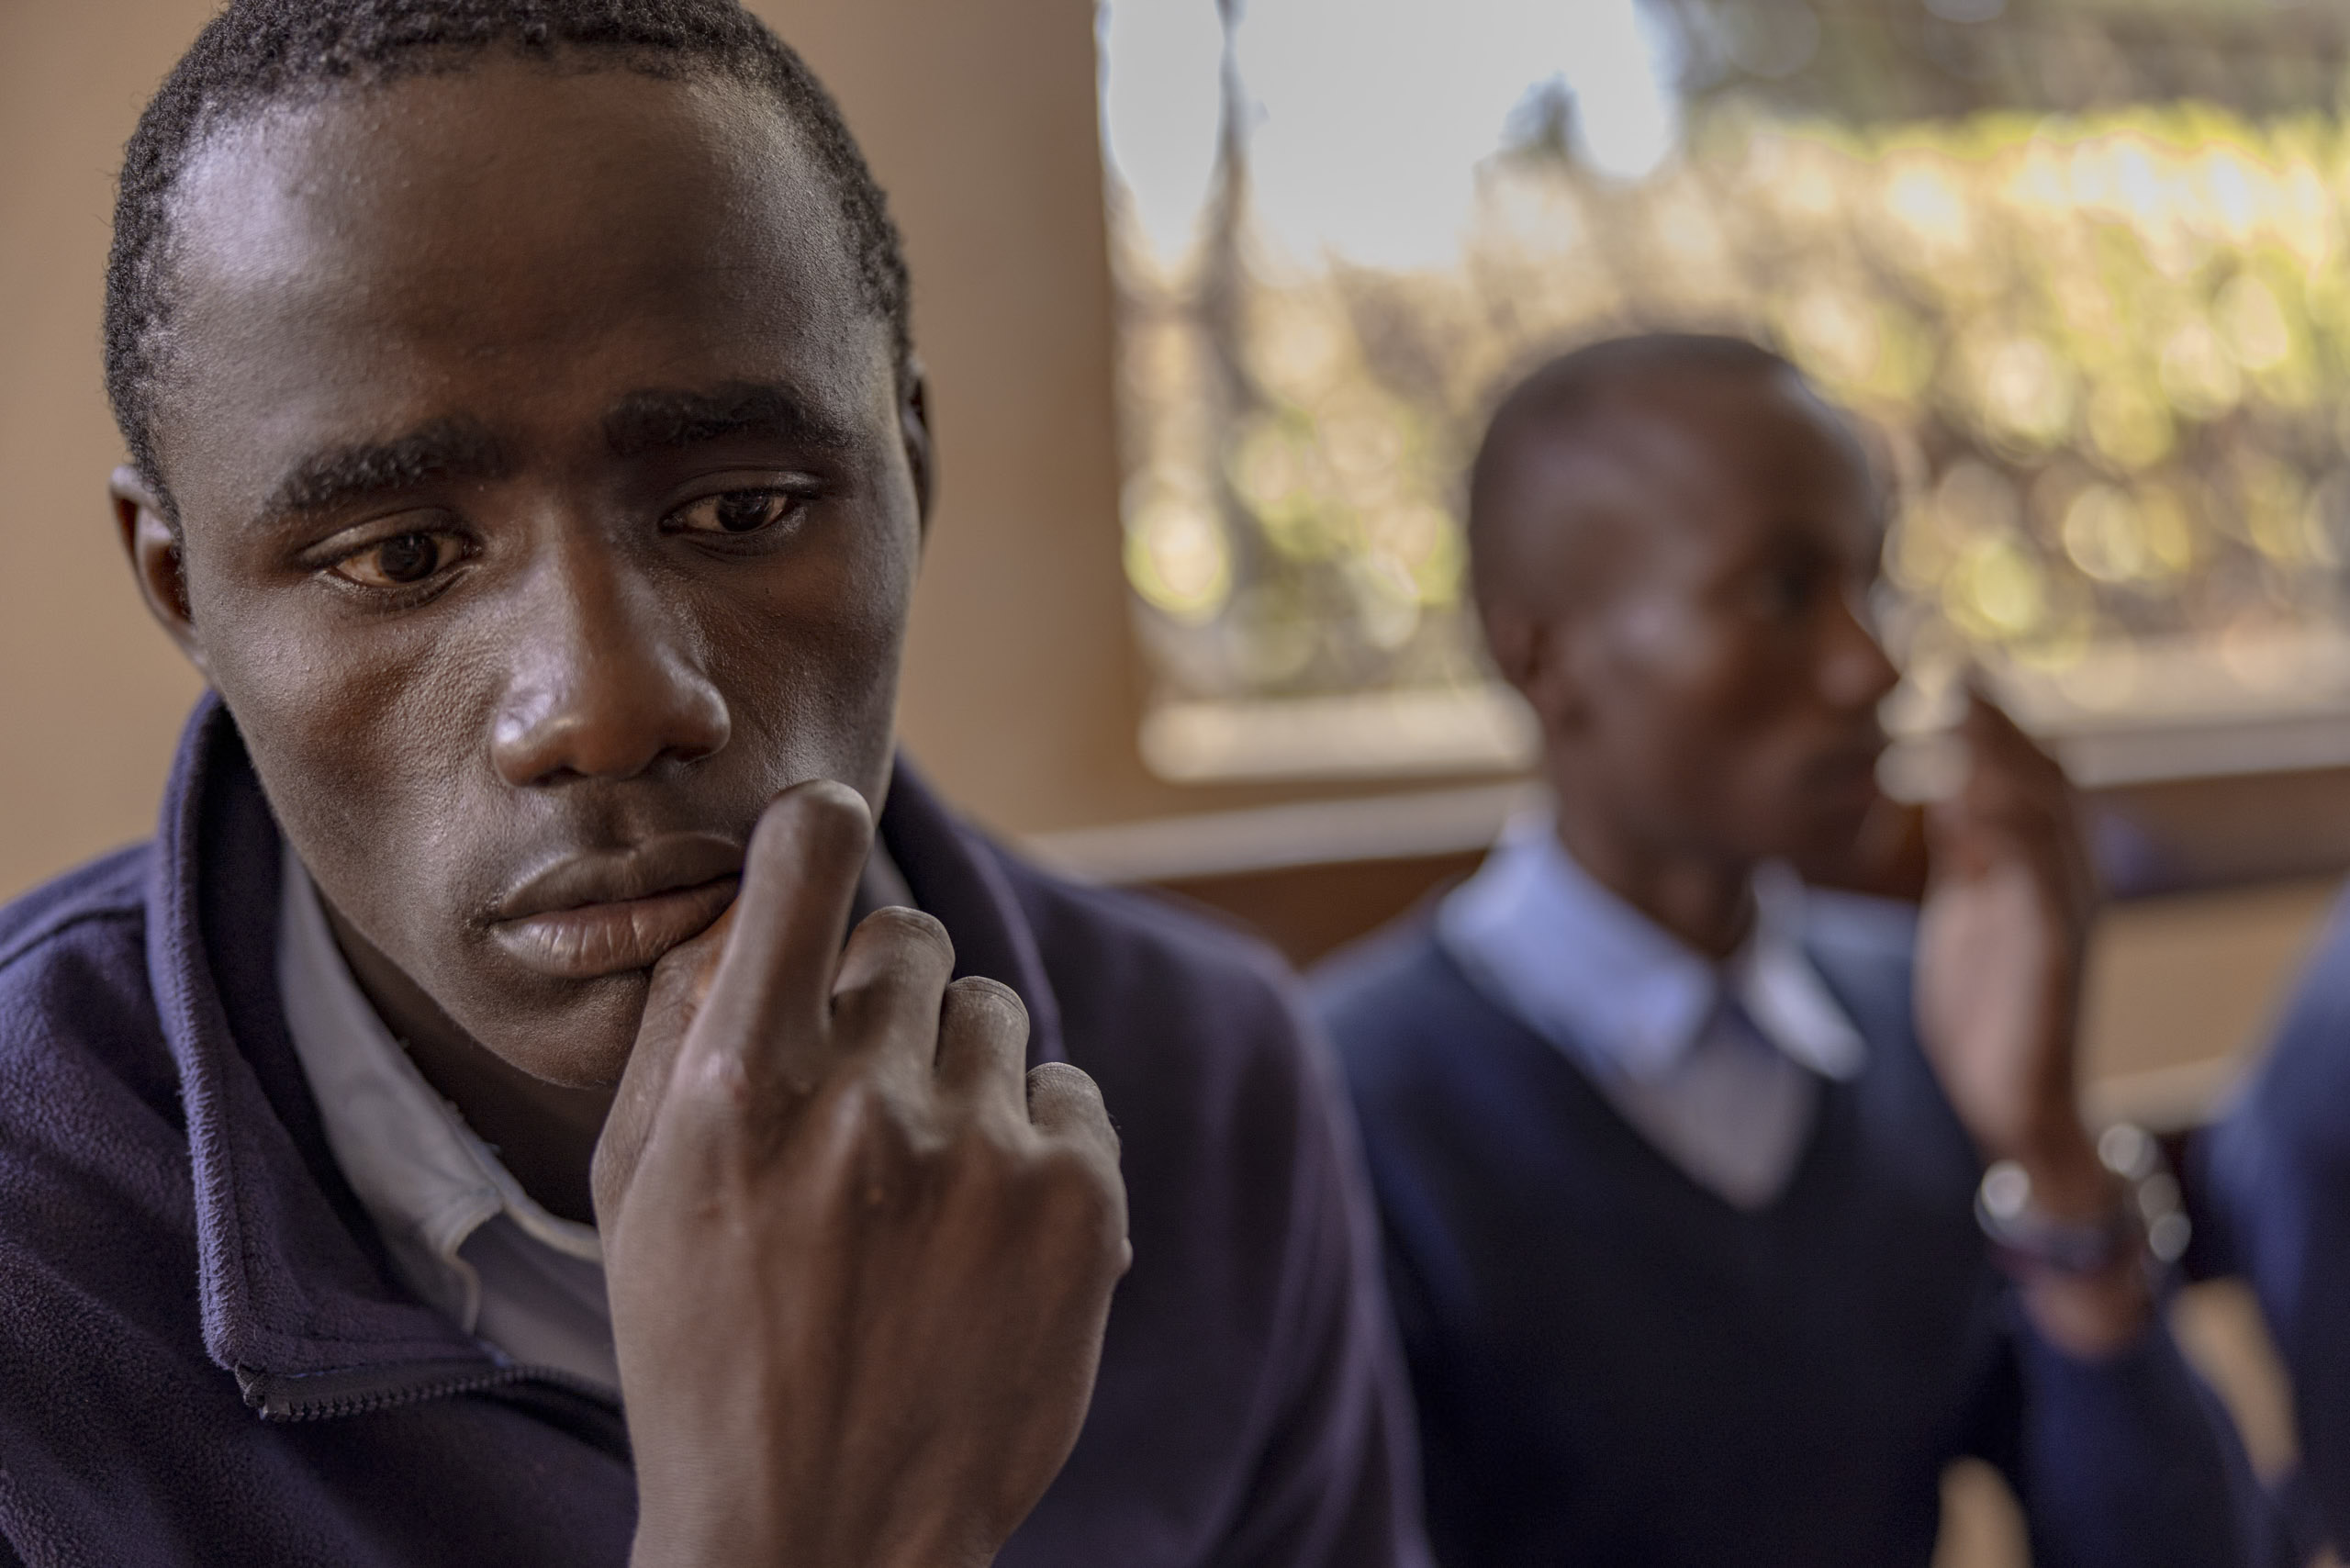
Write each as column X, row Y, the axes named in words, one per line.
column 203, row 1358
column 2276, row 1184
column 1615, row 1366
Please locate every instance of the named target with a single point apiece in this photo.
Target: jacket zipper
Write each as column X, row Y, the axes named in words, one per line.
column 362, row 1389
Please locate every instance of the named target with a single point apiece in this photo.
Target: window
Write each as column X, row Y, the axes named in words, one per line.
column 2083, row 267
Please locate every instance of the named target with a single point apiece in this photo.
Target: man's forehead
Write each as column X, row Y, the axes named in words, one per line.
column 1705, row 444
column 501, row 163
column 355, row 269
column 1693, row 476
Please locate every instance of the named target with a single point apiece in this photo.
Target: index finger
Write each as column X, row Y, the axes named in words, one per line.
column 1998, row 741
column 2015, row 791
column 769, row 1003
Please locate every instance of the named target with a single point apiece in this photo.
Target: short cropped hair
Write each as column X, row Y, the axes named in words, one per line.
column 1577, row 389
column 259, row 53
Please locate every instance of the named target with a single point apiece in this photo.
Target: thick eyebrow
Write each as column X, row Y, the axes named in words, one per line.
column 444, row 449
column 668, row 421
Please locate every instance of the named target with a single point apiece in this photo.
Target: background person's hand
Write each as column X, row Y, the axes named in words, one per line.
column 2002, row 946
column 859, row 1262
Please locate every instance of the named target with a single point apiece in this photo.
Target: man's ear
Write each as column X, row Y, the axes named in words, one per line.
column 154, row 550
column 913, row 428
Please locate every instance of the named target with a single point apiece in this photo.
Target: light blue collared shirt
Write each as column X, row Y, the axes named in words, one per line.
column 1718, row 1066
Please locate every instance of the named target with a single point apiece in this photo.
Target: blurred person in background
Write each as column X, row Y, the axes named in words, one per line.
column 2272, row 1177
column 1679, row 1161
column 510, row 1114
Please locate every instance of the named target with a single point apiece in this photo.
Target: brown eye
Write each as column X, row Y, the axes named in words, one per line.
column 736, row 511
column 401, row 561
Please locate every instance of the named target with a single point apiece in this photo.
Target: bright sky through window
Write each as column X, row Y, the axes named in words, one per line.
column 1367, row 119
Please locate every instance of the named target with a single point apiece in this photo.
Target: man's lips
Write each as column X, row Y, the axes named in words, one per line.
column 603, row 913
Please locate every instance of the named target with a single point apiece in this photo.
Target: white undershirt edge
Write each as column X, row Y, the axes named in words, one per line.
column 461, row 1230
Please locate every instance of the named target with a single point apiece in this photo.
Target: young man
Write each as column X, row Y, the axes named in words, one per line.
column 470, row 1132
column 1679, row 1164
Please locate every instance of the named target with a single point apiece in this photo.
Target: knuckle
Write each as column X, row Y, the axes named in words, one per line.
column 856, row 1106
column 910, row 931
column 985, row 1163
column 1060, row 1170
column 1044, row 1198
column 1078, row 1196
column 897, row 947
column 989, row 1004
column 720, row 1083
column 868, row 1127
column 893, row 951
column 1061, row 1079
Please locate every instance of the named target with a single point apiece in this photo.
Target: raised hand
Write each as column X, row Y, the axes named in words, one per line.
column 2003, row 942
column 859, row 1262
column 2001, row 949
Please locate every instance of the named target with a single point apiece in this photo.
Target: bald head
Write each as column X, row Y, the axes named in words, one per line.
column 1616, row 440
column 1671, row 543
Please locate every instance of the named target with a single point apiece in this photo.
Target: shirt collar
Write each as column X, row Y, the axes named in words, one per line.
column 424, row 1176
column 1778, row 984
column 1589, row 972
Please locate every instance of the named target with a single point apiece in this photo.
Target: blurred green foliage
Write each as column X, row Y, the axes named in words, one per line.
column 2100, row 352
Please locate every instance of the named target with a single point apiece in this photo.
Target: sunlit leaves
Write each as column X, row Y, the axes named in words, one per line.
column 2101, row 351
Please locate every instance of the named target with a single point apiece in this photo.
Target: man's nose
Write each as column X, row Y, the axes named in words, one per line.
column 1854, row 670
column 606, row 678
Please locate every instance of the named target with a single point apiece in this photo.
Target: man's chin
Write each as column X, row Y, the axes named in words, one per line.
column 580, row 1040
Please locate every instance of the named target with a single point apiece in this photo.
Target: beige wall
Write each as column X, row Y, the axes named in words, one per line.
column 90, row 693
column 979, row 118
